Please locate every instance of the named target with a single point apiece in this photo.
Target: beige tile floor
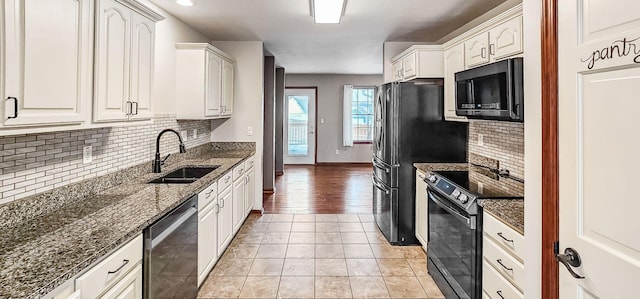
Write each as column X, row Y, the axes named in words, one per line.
column 317, row 256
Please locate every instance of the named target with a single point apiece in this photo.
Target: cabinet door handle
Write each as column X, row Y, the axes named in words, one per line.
column 124, row 263
column 483, row 52
column 500, row 294
column 129, row 107
column 15, row 107
column 492, row 49
column 227, row 180
column 217, row 209
column 503, row 266
column 503, row 237
column 222, row 203
column 136, row 107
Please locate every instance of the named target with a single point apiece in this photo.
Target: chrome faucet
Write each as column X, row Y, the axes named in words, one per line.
column 157, row 163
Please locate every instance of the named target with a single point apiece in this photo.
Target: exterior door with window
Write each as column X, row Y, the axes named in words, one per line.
column 299, row 126
column 599, row 84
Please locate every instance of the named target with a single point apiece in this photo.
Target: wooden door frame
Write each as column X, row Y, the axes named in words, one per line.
column 550, row 173
column 315, row 158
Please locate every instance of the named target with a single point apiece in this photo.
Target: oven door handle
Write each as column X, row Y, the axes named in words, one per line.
column 468, row 220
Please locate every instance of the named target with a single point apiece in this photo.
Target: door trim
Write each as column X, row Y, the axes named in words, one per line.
column 315, row 158
column 550, row 172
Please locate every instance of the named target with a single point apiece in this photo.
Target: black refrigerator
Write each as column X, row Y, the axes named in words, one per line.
column 409, row 127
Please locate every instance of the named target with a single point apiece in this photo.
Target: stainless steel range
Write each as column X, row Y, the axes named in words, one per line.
column 454, row 248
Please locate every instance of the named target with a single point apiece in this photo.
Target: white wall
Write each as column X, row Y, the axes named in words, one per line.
column 330, row 93
column 248, row 109
column 532, row 148
column 168, row 32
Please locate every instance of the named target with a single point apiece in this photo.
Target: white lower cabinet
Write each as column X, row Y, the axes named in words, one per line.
column 208, row 210
column 421, row 202
column 130, row 287
column 250, row 191
column 502, row 266
column 117, row 276
column 225, row 218
column 239, row 186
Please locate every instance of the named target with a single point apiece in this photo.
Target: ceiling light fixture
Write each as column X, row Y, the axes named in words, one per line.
column 327, row 11
column 184, row 2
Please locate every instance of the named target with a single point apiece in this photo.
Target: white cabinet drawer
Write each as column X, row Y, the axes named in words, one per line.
column 109, row 271
column 505, row 264
column 249, row 162
column 207, row 195
column 238, row 171
column 224, row 182
column 512, row 241
column 496, row 286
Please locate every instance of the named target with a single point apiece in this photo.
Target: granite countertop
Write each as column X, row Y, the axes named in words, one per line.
column 508, row 211
column 39, row 254
column 424, row 167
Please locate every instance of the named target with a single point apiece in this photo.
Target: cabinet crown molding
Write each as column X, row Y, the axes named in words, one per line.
column 142, row 9
column 203, row 46
column 501, row 18
column 417, row 48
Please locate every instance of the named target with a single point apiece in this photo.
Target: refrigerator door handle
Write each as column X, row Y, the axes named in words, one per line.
column 378, row 165
column 377, row 185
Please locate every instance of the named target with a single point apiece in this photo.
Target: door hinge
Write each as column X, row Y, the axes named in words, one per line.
column 556, row 247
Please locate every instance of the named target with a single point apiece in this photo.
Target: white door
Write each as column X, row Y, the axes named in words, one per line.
column 113, row 44
column 142, row 59
column 213, row 92
column 228, row 70
column 250, row 192
column 225, row 219
column 299, row 126
column 476, row 49
column 207, row 243
column 46, row 63
column 238, row 203
column 599, row 84
column 506, row 39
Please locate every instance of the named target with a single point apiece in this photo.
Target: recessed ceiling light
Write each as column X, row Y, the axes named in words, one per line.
column 184, row 2
column 327, row 11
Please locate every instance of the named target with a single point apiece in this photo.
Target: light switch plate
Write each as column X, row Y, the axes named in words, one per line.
column 195, row 133
column 480, row 139
column 249, row 131
column 87, row 155
column 337, row 152
column 322, row 120
column 480, row 187
column 184, row 134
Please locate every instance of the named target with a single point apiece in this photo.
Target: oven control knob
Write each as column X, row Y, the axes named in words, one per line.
column 432, row 178
column 463, row 198
column 456, row 193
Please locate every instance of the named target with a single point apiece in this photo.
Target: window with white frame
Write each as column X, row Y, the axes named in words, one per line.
column 362, row 114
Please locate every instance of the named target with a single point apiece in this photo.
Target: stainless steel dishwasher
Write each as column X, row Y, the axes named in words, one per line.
column 171, row 254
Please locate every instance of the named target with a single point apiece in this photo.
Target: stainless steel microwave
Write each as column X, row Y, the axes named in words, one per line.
column 493, row 91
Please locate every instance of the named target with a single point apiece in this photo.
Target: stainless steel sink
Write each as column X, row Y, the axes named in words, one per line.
column 184, row 175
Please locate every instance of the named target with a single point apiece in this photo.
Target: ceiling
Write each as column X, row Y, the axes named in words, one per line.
column 352, row 47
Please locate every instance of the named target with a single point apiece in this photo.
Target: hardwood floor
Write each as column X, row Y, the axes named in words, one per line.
column 330, row 189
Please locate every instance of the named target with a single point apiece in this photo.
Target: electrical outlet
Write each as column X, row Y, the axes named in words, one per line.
column 322, row 120
column 184, row 134
column 195, row 133
column 480, row 140
column 249, row 131
column 480, row 187
column 337, row 152
column 87, row 156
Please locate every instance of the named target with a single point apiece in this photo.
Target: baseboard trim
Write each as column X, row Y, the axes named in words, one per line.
column 268, row 191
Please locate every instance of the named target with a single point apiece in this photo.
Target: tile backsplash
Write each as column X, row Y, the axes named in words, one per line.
column 503, row 141
column 34, row 163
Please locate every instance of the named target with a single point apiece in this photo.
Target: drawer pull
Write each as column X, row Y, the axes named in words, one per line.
column 240, row 171
column 222, row 203
column 227, row 180
column 124, row 263
column 501, row 236
column 503, row 266
column 500, row 294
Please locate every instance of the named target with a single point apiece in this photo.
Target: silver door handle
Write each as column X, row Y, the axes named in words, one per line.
column 15, row 107
column 468, row 220
column 483, row 52
column 386, row 191
column 124, row 263
column 378, row 165
column 570, row 258
column 217, row 209
column 492, row 49
column 129, row 107
column 222, row 203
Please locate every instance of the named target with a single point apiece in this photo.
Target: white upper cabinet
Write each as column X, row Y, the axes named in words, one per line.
column 124, row 55
column 228, row 73
column 45, row 47
column 500, row 41
column 418, row 62
column 204, row 81
column 453, row 63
